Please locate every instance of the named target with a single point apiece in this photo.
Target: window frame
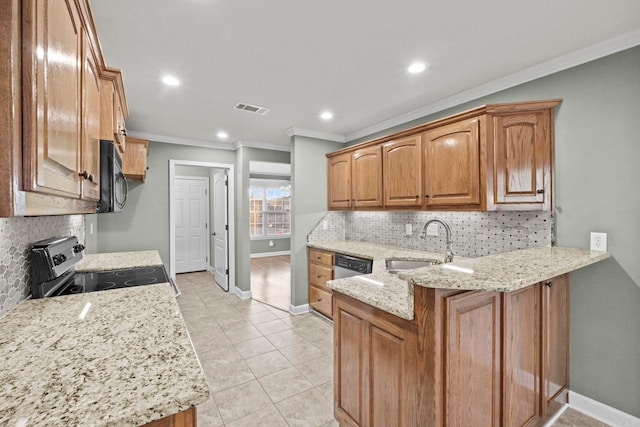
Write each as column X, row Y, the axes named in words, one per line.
column 266, row 185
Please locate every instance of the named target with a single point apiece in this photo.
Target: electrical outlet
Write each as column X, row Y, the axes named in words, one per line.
column 598, row 241
column 408, row 229
column 325, row 224
column 91, row 228
column 432, row 230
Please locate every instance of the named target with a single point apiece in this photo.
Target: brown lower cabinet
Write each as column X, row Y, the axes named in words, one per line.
column 468, row 358
column 187, row 418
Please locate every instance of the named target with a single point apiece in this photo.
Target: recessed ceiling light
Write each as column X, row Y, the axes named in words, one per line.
column 327, row 115
column 222, row 135
column 170, row 81
column 416, row 67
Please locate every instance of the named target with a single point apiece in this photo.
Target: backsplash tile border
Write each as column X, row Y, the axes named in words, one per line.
column 16, row 236
column 474, row 234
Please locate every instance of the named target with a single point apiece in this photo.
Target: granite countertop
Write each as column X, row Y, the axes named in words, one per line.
column 118, row 260
column 505, row 272
column 128, row 362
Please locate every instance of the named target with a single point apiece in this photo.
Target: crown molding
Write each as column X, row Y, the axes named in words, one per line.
column 327, row 136
column 183, row 141
column 261, row 145
column 564, row 62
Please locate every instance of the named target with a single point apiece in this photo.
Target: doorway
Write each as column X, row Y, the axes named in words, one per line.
column 220, row 247
column 191, row 200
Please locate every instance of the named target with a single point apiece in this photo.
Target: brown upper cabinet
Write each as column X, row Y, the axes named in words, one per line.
column 452, row 164
column 355, row 179
column 402, row 172
column 50, row 108
column 134, row 161
column 494, row 157
column 113, row 108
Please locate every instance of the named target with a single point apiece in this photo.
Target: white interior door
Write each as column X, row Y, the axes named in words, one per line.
column 192, row 218
column 220, row 230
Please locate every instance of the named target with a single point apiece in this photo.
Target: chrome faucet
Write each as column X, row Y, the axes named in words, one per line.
column 448, row 256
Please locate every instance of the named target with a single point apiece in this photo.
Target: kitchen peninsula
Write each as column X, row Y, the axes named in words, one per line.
column 116, row 357
column 482, row 343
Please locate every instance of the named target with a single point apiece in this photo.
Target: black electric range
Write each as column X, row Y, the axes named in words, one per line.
column 53, row 273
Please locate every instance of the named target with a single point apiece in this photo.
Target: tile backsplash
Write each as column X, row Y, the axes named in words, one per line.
column 473, row 233
column 16, row 237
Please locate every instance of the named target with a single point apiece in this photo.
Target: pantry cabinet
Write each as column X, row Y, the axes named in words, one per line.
column 402, row 172
column 451, row 162
column 492, row 158
column 50, row 108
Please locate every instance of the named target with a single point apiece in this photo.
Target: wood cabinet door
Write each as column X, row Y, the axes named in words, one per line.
column 472, row 366
column 350, row 365
column 134, row 160
column 522, row 158
column 366, row 177
column 339, row 185
column 521, row 365
column 52, row 78
column 120, row 132
column 452, row 164
column 402, row 172
column 555, row 344
column 90, row 124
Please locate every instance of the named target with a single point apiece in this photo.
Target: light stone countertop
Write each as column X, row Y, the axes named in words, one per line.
column 118, row 260
column 505, row 272
column 129, row 362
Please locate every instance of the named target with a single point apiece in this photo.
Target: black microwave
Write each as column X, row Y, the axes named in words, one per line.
column 113, row 184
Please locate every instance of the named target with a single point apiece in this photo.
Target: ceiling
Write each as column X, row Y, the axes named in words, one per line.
column 299, row 58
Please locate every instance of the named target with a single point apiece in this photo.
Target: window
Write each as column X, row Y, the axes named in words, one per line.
column 269, row 209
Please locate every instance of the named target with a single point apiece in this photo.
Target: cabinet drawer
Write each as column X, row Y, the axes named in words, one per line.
column 320, row 257
column 321, row 301
column 319, row 274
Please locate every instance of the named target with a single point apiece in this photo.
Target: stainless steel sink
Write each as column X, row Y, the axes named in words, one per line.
column 395, row 265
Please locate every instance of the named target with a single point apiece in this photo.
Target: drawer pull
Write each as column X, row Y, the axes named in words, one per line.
column 549, row 284
column 319, row 276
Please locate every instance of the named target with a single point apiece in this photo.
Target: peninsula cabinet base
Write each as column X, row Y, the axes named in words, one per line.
column 467, row 358
column 185, row 418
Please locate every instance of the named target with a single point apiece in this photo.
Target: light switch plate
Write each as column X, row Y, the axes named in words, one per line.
column 325, row 224
column 598, row 241
column 408, row 229
column 432, row 230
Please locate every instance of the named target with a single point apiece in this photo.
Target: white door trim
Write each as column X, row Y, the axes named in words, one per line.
column 172, row 215
column 207, row 213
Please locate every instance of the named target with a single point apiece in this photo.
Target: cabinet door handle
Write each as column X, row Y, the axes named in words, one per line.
column 319, row 276
column 541, row 191
column 86, row 175
column 426, row 195
column 548, row 284
column 123, row 131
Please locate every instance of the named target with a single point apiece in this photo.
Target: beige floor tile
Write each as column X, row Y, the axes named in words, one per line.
column 254, row 347
column 326, row 390
column 204, row 342
column 222, row 376
column 284, row 384
column 332, row 423
column 208, row 414
column 572, row 418
column 243, row 334
column 261, row 317
column 251, row 308
column 267, row 417
column 307, row 409
column 231, row 321
column 301, row 352
column 286, row 338
column 318, row 371
column 220, row 355
column 242, row 400
column 272, row 327
column 268, row 363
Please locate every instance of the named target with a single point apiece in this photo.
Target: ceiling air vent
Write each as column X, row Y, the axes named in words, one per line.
column 251, row 108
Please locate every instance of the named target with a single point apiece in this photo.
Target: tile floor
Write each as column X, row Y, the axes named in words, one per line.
column 265, row 367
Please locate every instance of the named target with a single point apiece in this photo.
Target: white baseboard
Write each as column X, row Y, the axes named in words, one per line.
column 268, row 254
column 299, row 309
column 243, row 294
column 602, row 412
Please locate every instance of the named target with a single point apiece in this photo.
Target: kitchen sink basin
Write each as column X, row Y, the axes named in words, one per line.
column 395, row 265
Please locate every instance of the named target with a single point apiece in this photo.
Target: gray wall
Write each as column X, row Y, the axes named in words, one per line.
column 144, row 223
column 261, row 246
column 243, row 243
column 597, row 179
column 308, row 204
